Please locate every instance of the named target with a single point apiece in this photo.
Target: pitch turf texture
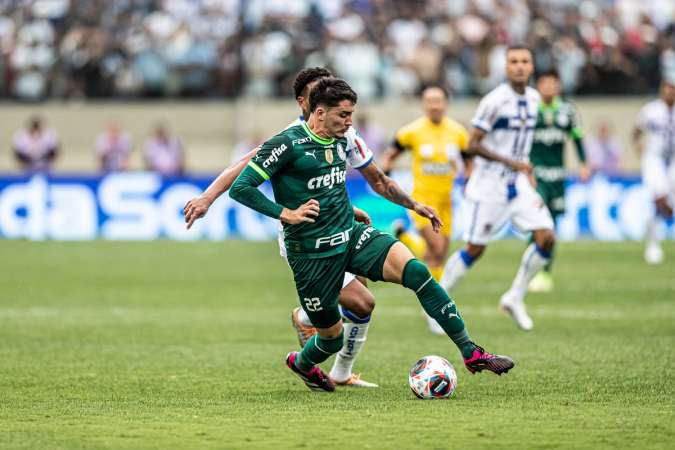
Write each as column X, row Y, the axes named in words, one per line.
column 175, row 345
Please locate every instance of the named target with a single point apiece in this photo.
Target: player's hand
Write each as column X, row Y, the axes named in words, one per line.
column 584, row 173
column 429, row 213
column 519, row 166
column 196, row 209
column 362, row 216
column 303, row 214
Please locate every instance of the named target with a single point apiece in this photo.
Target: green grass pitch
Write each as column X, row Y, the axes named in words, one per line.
column 182, row 345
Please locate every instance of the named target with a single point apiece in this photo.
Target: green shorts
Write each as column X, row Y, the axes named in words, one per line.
column 553, row 194
column 319, row 281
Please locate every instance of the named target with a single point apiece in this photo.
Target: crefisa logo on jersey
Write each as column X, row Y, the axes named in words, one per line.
column 274, row 157
column 341, row 152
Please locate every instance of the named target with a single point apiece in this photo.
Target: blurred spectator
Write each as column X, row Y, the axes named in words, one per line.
column 603, row 150
column 164, row 153
column 384, row 48
column 371, row 132
column 113, row 147
column 36, row 146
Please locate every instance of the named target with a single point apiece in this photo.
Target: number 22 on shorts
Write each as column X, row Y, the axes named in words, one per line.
column 313, row 304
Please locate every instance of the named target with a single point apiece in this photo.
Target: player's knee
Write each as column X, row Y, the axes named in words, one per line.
column 415, row 275
column 365, row 305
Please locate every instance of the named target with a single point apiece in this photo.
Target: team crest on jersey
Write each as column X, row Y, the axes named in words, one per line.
column 341, row 152
column 329, row 155
column 562, row 120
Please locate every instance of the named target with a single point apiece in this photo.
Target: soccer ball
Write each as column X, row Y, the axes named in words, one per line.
column 433, row 377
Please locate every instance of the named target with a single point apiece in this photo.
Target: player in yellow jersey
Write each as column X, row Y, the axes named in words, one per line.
column 436, row 142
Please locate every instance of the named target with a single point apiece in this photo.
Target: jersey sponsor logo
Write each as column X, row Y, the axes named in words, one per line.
column 329, row 155
column 336, row 176
column 358, row 146
column 364, row 237
column 436, row 169
column 426, row 151
column 302, row 141
column 341, row 152
column 274, row 157
column 311, row 154
column 549, row 136
column 335, row 239
column 549, row 174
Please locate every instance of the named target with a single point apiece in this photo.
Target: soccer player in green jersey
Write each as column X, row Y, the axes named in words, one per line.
column 306, row 165
column 556, row 121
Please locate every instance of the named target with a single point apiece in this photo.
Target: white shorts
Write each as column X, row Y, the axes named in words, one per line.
column 526, row 211
column 657, row 177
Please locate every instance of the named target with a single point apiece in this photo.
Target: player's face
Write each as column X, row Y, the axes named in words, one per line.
column 668, row 93
column 519, row 65
column 434, row 104
column 337, row 120
column 548, row 87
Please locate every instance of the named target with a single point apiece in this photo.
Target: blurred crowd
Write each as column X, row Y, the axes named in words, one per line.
column 384, row 48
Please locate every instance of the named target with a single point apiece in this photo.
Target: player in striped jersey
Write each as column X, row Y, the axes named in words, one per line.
column 501, row 185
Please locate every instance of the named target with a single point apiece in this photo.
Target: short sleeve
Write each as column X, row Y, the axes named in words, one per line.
column 358, row 153
column 405, row 137
column 463, row 138
column 485, row 114
column 642, row 119
column 273, row 157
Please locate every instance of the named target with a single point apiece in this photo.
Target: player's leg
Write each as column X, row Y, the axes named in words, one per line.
column 655, row 179
column 381, row 257
column 484, row 220
column 437, row 248
column 357, row 304
column 553, row 195
column 528, row 216
column 318, row 282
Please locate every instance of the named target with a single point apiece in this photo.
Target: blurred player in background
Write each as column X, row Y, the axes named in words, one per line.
column 501, row 185
column 36, row 146
column 356, row 300
column 436, row 142
column 657, row 121
column 556, row 120
column 113, row 147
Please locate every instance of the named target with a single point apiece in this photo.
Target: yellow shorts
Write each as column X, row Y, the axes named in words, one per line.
column 443, row 206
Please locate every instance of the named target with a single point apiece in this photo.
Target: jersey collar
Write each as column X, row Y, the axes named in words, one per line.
column 554, row 106
column 314, row 137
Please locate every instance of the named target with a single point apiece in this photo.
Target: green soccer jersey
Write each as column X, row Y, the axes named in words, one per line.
column 303, row 166
column 555, row 122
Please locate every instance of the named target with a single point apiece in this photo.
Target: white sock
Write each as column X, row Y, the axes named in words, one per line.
column 455, row 269
column 355, row 337
column 534, row 259
column 303, row 318
column 652, row 235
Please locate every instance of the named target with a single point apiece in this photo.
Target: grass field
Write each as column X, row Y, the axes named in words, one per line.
column 171, row 345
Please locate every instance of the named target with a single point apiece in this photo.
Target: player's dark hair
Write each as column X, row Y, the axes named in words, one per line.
column 445, row 91
column 548, row 73
column 519, row 47
column 329, row 92
column 307, row 76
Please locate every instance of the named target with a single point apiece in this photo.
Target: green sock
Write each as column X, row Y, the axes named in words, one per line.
column 549, row 264
column 317, row 350
column 437, row 304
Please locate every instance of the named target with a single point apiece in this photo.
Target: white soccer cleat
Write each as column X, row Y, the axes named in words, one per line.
column 514, row 305
column 354, row 381
column 654, row 253
column 434, row 326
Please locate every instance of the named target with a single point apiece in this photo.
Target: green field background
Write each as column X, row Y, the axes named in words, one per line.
column 176, row 345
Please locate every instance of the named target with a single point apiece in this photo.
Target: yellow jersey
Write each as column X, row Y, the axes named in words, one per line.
column 435, row 150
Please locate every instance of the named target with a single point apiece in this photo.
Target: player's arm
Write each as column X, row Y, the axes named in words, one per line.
column 390, row 155
column 475, row 148
column 361, row 216
column 199, row 206
column 276, row 153
column 390, row 190
column 577, row 134
column 637, row 140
